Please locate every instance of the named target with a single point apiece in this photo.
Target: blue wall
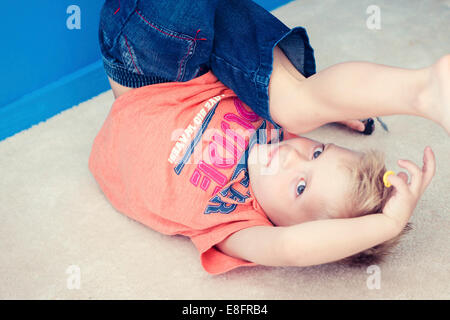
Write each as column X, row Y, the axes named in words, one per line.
column 40, row 48
column 47, row 67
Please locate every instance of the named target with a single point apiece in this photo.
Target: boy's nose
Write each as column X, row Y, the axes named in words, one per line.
column 291, row 156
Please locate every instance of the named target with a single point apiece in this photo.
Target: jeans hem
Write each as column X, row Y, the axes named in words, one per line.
column 306, row 67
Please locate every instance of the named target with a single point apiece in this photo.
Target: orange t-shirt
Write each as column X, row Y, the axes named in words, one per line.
column 173, row 156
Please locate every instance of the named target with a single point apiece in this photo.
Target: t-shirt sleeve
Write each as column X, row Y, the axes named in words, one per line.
column 212, row 259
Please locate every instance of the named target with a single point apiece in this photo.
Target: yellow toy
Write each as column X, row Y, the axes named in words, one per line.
column 386, row 182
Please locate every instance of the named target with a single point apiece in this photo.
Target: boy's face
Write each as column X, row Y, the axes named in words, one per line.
column 297, row 180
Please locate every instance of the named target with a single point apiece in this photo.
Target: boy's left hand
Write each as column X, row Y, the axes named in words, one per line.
column 405, row 196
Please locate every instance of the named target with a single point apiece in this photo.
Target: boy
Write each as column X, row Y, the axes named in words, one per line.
column 191, row 158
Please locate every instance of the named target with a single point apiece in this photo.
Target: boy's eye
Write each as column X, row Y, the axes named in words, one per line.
column 318, row 151
column 301, row 186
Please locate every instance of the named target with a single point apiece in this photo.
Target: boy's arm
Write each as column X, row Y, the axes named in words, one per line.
column 310, row 243
column 323, row 241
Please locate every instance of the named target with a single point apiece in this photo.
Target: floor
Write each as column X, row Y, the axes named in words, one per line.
column 61, row 239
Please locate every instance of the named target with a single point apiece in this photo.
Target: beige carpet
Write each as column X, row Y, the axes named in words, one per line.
column 54, row 216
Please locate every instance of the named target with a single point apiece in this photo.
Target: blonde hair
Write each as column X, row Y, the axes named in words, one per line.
column 368, row 195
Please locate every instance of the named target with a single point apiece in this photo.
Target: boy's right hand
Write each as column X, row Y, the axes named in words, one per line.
column 405, row 196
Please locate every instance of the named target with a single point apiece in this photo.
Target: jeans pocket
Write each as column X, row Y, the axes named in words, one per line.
column 151, row 49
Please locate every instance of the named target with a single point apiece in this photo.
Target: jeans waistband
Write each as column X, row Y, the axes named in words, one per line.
column 128, row 79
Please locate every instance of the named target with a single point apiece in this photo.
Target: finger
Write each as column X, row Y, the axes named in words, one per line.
column 429, row 167
column 416, row 174
column 399, row 183
column 353, row 124
column 404, row 176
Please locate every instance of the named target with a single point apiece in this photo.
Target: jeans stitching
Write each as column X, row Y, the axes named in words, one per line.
column 250, row 75
column 168, row 34
column 180, row 72
column 182, row 62
column 131, row 55
column 117, row 9
column 116, row 39
column 193, row 42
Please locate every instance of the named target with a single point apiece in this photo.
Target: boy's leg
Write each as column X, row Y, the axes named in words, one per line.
column 117, row 88
column 280, row 61
column 356, row 90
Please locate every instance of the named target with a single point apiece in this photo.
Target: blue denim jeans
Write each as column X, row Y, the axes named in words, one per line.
column 148, row 42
